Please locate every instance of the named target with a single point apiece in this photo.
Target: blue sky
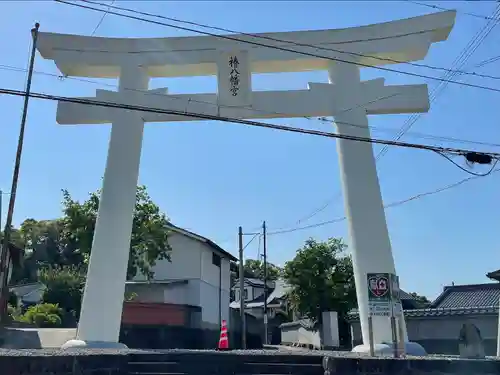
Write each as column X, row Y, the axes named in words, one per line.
column 213, row 177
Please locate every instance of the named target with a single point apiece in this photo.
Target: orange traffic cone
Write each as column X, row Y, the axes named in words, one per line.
column 223, row 340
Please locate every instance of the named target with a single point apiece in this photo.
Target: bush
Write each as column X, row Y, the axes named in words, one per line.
column 13, row 311
column 43, row 315
column 64, row 287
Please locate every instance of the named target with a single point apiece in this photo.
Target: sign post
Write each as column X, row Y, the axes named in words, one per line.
column 379, row 294
column 398, row 314
column 384, row 300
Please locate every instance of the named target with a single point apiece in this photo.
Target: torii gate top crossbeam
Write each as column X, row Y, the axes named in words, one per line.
column 402, row 40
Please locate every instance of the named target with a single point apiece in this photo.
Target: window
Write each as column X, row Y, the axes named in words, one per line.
column 216, row 260
column 245, row 294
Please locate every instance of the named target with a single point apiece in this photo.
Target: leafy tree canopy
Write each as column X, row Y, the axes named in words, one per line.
column 322, row 279
column 67, row 241
column 255, row 268
column 422, row 300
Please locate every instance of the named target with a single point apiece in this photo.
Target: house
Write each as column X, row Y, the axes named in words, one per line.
column 253, row 296
column 437, row 327
column 277, row 306
column 28, row 294
column 190, row 291
column 198, row 276
column 495, row 275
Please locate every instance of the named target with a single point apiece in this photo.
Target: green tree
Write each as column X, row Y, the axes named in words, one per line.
column 15, row 237
column 322, row 279
column 150, row 232
column 255, row 268
column 423, row 301
column 64, row 287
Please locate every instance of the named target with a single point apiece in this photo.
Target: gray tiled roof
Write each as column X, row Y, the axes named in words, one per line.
column 468, row 296
column 495, row 275
column 421, row 313
column 458, row 300
column 305, row 323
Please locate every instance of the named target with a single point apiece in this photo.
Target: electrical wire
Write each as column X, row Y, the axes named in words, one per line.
column 320, row 119
column 390, row 205
column 488, row 88
column 239, row 40
column 279, row 48
column 95, row 28
column 463, row 57
column 102, row 19
column 488, row 61
column 201, row 116
column 420, row 65
column 447, row 9
column 249, row 242
column 468, row 171
column 460, row 61
column 358, row 64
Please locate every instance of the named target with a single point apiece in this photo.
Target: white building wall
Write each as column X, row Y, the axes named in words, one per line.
column 209, row 292
column 192, row 260
column 185, row 260
column 187, row 294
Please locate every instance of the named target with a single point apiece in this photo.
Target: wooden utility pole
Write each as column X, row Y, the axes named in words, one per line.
column 264, row 236
column 4, row 266
column 242, row 287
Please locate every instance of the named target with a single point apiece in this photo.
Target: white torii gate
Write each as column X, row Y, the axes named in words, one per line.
column 348, row 99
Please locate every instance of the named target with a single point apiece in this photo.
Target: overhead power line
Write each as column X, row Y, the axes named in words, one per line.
column 390, row 205
column 461, row 60
column 249, row 242
column 319, row 119
column 227, row 37
column 420, row 65
column 488, row 61
column 102, row 19
column 443, row 8
column 470, row 154
column 412, row 198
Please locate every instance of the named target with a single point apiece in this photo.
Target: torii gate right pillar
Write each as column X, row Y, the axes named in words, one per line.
column 369, row 237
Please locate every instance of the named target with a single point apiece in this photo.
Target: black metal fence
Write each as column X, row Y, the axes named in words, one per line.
column 171, row 337
column 224, row 363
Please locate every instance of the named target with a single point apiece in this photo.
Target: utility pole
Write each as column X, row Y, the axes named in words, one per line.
column 264, row 236
column 1, row 208
column 242, row 287
column 4, row 267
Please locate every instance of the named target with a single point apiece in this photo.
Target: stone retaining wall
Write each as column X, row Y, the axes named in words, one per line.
column 46, row 362
column 410, row 366
column 237, row 362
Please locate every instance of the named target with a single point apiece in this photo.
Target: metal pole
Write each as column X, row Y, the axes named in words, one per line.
column 265, row 280
column 401, row 341
column 394, row 334
column 498, row 335
column 4, row 267
column 242, row 287
column 370, row 336
column 1, row 209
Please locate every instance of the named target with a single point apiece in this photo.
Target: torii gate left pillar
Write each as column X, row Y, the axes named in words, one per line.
column 98, row 326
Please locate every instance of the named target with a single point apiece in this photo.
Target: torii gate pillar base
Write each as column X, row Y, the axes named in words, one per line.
column 80, row 344
column 411, row 348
